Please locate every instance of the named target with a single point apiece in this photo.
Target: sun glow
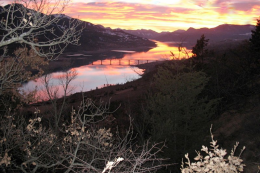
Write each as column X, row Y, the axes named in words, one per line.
column 165, row 15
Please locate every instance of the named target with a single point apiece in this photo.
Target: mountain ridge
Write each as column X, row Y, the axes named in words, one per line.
column 189, row 37
column 95, row 37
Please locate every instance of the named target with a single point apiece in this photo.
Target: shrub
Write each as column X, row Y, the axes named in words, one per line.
column 215, row 160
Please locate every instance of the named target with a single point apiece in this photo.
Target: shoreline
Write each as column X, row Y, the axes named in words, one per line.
column 67, row 60
column 117, row 92
column 139, row 49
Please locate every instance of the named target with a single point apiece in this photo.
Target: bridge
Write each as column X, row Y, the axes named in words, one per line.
column 127, row 62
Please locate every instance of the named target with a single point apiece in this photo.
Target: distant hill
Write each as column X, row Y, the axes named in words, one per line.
column 225, row 32
column 149, row 34
column 96, row 37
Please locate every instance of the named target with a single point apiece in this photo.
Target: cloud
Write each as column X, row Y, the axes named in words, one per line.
column 128, row 15
column 179, row 15
column 164, row 15
column 245, row 6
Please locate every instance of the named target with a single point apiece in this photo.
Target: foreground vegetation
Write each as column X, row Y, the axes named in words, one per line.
column 151, row 132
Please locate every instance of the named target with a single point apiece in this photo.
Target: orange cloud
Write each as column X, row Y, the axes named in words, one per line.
column 163, row 15
column 179, row 15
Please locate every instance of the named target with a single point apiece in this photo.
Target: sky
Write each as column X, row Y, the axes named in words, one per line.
column 164, row 15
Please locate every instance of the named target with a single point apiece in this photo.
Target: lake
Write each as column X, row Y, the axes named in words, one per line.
column 100, row 73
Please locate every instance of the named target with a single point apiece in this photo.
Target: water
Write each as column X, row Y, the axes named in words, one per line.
column 95, row 75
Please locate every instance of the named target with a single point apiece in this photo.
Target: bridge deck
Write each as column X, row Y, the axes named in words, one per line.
column 122, row 62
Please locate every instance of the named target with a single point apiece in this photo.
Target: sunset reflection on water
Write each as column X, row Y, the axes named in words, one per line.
column 112, row 71
column 159, row 53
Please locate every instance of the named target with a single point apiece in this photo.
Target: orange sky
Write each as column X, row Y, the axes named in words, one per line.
column 164, row 15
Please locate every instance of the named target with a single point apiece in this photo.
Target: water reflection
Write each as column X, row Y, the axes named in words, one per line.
column 159, row 53
column 88, row 78
column 112, row 71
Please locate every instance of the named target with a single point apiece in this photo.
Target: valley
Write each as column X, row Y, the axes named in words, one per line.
column 80, row 97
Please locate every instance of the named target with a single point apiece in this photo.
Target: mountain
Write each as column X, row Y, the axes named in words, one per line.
column 96, row 37
column 149, row 34
column 225, row 32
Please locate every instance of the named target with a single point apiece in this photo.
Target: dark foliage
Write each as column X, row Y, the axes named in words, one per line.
column 255, row 39
column 199, row 50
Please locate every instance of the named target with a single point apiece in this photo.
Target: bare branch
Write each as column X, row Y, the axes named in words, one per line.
column 33, row 23
column 32, row 30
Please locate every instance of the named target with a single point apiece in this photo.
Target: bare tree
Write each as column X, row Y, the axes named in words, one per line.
column 30, row 146
column 38, row 29
column 15, row 70
column 32, row 22
column 51, row 92
column 78, row 144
